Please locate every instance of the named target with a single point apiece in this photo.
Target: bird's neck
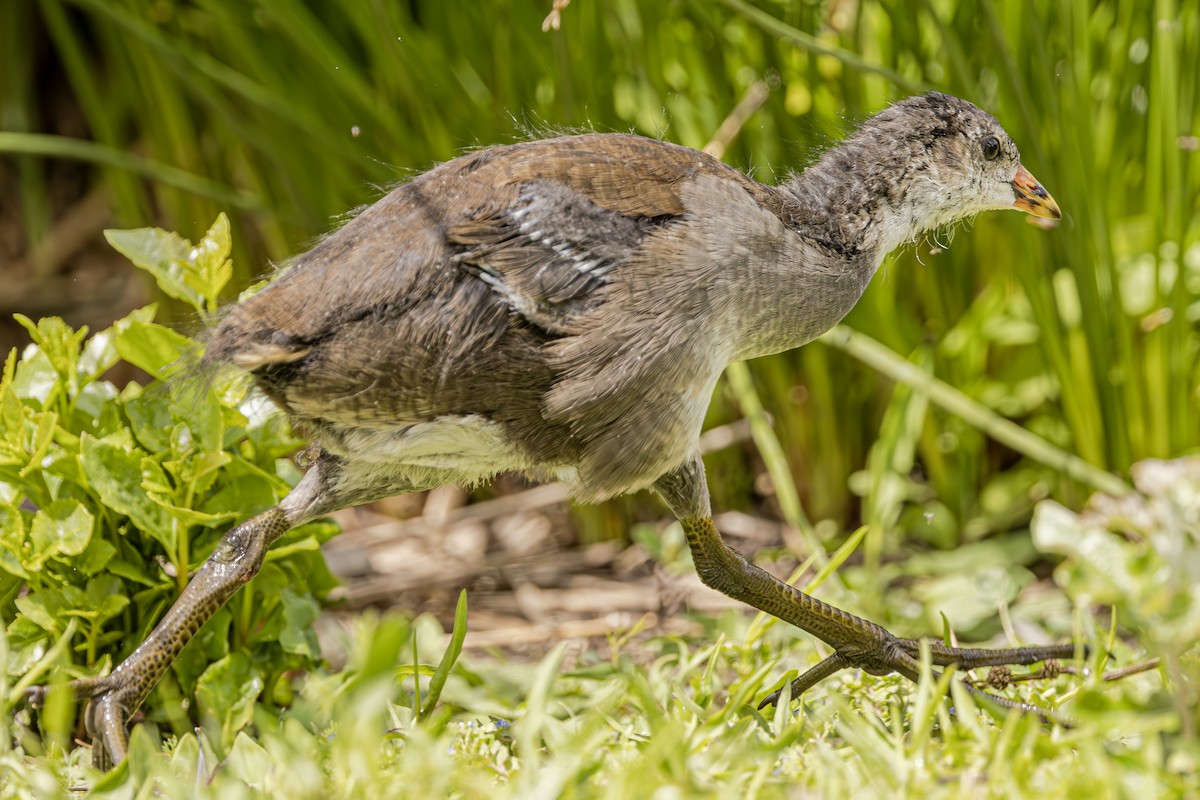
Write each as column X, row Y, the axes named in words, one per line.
column 860, row 202
column 854, row 206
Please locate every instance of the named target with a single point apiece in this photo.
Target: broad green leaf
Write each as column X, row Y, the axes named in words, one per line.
column 244, row 490
column 132, row 571
column 100, row 352
column 265, row 591
column 310, row 570
column 248, row 761
column 25, row 655
column 117, row 475
column 95, row 557
column 201, row 413
column 98, row 356
column 11, row 563
column 106, row 594
column 150, row 418
column 96, row 409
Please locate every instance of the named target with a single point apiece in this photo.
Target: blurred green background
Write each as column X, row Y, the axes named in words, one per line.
column 288, row 114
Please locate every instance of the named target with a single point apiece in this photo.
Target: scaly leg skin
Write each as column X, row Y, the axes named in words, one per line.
column 856, row 641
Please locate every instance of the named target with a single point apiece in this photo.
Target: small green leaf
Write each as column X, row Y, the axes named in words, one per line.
column 195, row 275
column 453, row 651
column 151, row 346
column 226, row 693
column 96, row 409
column 117, row 475
column 64, row 527
column 35, row 378
column 299, row 614
column 58, row 342
column 211, row 267
column 107, row 596
column 132, row 572
column 249, row 762
column 46, row 609
column 161, row 253
column 197, row 466
column 95, row 556
column 150, row 418
column 98, row 356
column 243, row 490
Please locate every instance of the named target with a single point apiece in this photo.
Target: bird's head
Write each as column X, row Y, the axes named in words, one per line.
column 964, row 162
column 927, row 161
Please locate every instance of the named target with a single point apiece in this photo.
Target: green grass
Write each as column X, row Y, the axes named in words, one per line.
column 670, row 715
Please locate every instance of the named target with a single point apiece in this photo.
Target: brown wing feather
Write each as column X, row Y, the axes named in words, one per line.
column 387, row 322
column 396, row 253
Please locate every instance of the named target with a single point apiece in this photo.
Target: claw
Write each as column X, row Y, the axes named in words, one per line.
column 901, row 659
column 105, row 719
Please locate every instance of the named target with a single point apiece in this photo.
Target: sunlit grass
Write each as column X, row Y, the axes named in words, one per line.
column 670, row 713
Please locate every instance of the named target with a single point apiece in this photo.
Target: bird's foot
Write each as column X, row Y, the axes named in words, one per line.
column 881, row 653
column 112, row 699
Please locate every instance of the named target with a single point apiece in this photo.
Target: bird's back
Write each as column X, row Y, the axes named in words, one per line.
column 542, row 287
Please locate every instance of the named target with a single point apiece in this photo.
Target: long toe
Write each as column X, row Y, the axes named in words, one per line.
column 878, row 652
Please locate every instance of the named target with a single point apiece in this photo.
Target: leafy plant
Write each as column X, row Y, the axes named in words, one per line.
column 1140, row 554
column 110, row 498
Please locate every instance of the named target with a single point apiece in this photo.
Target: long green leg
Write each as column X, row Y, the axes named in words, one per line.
column 857, row 642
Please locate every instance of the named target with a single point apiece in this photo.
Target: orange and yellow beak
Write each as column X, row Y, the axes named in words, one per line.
column 1032, row 197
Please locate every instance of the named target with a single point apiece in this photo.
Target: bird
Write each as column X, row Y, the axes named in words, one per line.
column 563, row 308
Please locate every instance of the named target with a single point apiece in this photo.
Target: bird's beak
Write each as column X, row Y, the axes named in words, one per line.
column 1032, row 197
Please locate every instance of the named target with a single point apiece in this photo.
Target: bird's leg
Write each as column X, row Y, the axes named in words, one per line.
column 114, row 697
column 856, row 642
column 238, row 557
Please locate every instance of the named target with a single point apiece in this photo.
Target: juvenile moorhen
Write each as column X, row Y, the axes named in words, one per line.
column 563, row 308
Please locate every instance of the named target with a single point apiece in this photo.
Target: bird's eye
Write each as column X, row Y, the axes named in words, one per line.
column 991, row 148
